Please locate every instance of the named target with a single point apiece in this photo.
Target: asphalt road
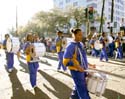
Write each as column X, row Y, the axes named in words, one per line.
column 56, row 85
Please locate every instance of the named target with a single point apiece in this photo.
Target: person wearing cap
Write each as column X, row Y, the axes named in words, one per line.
column 59, row 50
column 76, row 60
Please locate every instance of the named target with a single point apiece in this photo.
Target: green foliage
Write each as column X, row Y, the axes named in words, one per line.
column 46, row 23
column 78, row 15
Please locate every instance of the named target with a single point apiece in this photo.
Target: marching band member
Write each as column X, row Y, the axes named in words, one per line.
column 123, row 44
column 111, row 45
column 103, row 42
column 94, row 51
column 118, row 46
column 76, row 60
column 4, row 43
column 59, row 48
column 9, row 55
column 33, row 66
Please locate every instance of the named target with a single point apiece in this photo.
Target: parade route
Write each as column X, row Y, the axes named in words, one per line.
column 53, row 84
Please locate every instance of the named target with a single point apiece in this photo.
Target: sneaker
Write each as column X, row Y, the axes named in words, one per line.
column 10, row 70
column 34, row 86
column 58, row 70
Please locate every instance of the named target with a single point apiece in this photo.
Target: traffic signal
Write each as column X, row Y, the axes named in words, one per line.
column 91, row 13
column 115, row 24
column 86, row 13
column 108, row 25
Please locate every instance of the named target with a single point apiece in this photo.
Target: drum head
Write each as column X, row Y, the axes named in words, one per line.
column 9, row 44
column 15, row 44
column 40, row 49
column 97, row 45
column 110, row 39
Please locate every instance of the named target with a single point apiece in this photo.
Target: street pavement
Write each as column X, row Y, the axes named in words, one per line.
column 53, row 84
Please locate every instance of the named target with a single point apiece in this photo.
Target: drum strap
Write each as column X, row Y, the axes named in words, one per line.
column 83, row 64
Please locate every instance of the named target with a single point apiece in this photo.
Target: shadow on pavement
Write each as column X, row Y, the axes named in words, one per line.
column 53, row 58
column 65, row 73
column 116, row 63
column 25, row 67
column 62, row 72
column 62, row 90
column 110, row 94
column 39, row 93
column 118, row 60
column 45, row 62
column 20, row 93
column 17, row 89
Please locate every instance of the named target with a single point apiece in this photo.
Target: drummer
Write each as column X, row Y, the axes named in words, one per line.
column 9, row 55
column 75, row 59
column 118, row 46
column 33, row 66
column 103, row 41
column 59, row 50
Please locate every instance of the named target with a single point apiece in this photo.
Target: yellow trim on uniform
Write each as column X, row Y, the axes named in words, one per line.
column 28, row 58
column 74, row 60
column 116, row 44
column 58, row 48
column 92, row 46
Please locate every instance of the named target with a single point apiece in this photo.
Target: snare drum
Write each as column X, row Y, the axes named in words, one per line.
column 96, row 83
column 13, row 44
column 97, row 45
column 110, row 39
column 40, row 49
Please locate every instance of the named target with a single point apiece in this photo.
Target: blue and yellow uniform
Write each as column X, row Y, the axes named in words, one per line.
column 33, row 66
column 118, row 47
column 75, row 55
column 4, row 47
column 9, row 57
column 111, row 47
column 58, row 41
column 103, row 53
column 94, row 51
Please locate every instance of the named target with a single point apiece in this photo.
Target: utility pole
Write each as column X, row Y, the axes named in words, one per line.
column 102, row 13
column 112, row 13
column 16, row 21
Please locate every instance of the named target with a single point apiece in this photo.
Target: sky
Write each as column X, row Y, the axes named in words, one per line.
column 26, row 10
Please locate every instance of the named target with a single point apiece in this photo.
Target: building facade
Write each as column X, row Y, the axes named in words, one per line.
column 119, row 10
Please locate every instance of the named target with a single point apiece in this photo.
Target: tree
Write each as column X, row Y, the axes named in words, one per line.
column 52, row 20
column 77, row 14
column 12, row 31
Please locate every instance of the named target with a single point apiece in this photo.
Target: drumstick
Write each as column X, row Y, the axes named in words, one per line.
column 102, row 71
